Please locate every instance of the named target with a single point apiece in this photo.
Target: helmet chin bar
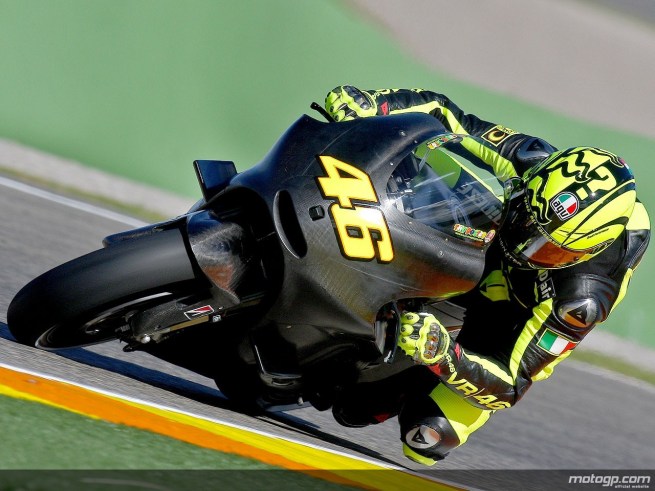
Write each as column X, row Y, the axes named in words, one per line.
column 524, row 262
column 525, row 242
column 514, row 260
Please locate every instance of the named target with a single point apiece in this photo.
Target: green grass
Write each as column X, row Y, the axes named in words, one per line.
column 35, row 436
column 143, row 87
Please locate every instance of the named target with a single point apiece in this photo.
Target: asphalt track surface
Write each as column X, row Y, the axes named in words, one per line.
column 582, row 418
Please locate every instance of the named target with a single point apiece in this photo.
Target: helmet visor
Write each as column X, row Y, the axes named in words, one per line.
column 527, row 244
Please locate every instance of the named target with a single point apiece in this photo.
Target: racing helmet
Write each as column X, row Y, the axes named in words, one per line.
column 566, row 209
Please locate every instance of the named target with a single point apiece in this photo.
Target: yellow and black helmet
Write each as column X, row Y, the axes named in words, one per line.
column 567, row 209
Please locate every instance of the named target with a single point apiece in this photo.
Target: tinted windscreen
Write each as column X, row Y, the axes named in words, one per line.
column 439, row 188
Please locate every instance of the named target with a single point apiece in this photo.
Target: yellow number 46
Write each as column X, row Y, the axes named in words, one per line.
column 361, row 230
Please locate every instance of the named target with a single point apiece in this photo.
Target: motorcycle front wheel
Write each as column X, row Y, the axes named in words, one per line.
column 89, row 300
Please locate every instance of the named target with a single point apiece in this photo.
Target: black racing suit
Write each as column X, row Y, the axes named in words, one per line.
column 518, row 324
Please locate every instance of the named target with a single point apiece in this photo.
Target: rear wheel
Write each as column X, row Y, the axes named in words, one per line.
column 88, row 300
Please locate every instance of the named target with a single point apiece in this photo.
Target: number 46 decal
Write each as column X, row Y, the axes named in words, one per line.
column 361, row 230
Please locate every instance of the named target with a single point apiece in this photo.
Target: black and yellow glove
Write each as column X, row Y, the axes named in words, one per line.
column 346, row 102
column 423, row 338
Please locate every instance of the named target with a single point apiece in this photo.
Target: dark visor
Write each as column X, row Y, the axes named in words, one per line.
column 526, row 242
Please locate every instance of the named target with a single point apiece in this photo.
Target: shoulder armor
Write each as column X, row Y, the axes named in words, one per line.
column 638, row 235
column 581, row 313
column 584, row 299
column 531, row 152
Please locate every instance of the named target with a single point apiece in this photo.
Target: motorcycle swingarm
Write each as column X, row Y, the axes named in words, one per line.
column 158, row 322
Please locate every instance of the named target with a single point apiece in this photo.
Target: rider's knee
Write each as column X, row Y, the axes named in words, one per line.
column 426, row 433
column 429, row 440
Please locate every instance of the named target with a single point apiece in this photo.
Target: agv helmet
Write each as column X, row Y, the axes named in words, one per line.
column 567, row 209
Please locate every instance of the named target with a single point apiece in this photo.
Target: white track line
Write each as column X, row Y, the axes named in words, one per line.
column 205, row 418
column 95, row 210
column 71, row 203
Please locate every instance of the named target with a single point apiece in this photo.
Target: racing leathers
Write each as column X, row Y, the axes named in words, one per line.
column 518, row 324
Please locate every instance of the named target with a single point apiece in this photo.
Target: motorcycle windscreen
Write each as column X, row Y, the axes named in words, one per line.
column 442, row 185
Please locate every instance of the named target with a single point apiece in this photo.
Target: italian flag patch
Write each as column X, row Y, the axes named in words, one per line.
column 555, row 344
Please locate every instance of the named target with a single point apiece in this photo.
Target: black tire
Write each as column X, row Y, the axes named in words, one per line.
column 85, row 300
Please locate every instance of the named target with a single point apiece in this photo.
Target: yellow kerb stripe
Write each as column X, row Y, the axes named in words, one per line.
column 209, row 434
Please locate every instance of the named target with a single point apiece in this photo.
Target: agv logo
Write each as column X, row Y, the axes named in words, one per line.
column 565, row 205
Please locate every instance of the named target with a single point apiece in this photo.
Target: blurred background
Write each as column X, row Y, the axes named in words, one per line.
column 141, row 88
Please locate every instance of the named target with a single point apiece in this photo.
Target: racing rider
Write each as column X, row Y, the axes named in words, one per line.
column 572, row 237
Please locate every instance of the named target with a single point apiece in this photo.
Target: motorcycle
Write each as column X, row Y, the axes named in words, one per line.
column 283, row 283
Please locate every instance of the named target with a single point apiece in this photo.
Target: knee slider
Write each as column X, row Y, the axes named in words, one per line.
column 431, row 438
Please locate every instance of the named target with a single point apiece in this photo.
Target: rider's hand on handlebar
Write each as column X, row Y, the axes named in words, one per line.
column 423, row 337
column 346, row 102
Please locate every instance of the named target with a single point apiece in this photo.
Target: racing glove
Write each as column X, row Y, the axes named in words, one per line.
column 346, row 102
column 423, row 338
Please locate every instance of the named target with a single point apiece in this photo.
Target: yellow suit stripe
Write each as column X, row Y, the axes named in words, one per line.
column 464, row 417
column 540, row 314
column 491, row 367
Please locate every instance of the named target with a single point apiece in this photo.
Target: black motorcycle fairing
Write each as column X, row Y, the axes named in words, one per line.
column 225, row 253
column 287, row 271
column 322, row 286
column 144, row 231
column 213, row 176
